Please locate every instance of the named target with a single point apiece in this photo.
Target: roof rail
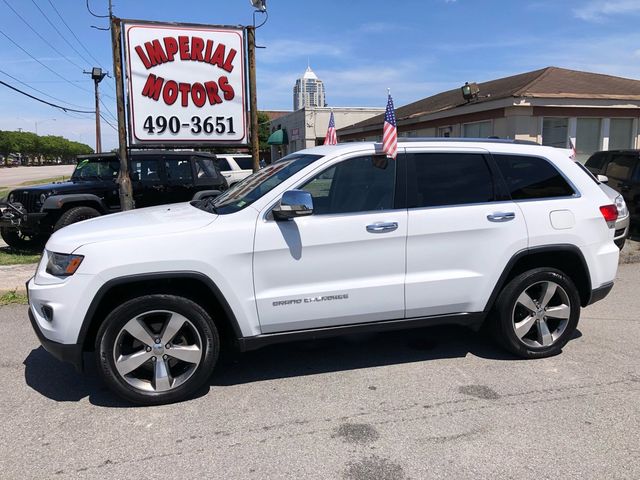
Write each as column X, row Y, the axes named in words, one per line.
column 465, row 139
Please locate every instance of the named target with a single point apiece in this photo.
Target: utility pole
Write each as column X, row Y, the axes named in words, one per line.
column 124, row 180
column 97, row 75
column 253, row 97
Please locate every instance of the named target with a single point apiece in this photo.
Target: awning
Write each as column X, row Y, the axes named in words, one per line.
column 279, row 137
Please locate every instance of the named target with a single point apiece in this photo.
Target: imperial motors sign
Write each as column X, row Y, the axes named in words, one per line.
column 186, row 84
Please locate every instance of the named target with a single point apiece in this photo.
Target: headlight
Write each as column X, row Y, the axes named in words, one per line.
column 11, row 198
column 621, row 206
column 62, row 265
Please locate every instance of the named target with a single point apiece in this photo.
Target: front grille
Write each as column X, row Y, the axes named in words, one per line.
column 27, row 199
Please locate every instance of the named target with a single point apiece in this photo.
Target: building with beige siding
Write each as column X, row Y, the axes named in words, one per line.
column 552, row 106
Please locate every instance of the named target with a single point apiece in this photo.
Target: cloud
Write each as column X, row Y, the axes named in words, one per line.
column 284, row 50
column 596, row 10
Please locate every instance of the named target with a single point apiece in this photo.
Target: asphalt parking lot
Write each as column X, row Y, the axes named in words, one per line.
column 431, row 403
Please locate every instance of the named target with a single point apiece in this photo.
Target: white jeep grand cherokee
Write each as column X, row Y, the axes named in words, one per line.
column 330, row 240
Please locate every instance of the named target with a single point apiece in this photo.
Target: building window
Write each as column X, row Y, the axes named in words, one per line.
column 588, row 139
column 554, row 132
column 621, row 133
column 476, row 130
column 445, row 131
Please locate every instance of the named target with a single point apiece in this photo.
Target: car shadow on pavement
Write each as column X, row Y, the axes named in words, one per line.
column 357, row 351
column 62, row 383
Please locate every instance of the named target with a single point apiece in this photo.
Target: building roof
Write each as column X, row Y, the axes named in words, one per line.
column 550, row 82
column 309, row 74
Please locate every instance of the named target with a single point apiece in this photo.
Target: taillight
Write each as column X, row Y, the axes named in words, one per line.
column 610, row 214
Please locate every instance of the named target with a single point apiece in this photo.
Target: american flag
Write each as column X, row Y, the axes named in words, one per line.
column 331, row 137
column 572, row 148
column 390, row 131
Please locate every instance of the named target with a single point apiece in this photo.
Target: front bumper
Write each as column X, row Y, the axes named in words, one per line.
column 15, row 216
column 71, row 353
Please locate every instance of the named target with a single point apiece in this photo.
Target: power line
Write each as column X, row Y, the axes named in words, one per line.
column 39, row 91
column 108, row 111
column 40, row 36
column 108, row 123
column 64, row 109
column 73, row 33
column 46, row 17
column 45, row 66
column 95, row 15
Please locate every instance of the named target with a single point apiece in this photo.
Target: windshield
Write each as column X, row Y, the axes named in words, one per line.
column 92, row 168
column 255, row 186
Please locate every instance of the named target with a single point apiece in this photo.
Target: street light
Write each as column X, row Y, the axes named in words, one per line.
column 42, row 121
column 97, row 75
column 260, row 5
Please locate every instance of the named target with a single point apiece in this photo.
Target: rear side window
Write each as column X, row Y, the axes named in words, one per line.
column 596, row 161
column 438, row 179
column 622, row 166
column 222, row 164
column 532, row 177
column 245, row 163
column 205, row 168
column 178, row 170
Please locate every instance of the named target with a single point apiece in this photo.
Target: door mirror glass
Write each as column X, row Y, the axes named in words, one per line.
column 603, row 178
column 294, row 203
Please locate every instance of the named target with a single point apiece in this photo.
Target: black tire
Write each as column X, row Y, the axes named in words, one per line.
column 19, row 240
column 74, row 215
column 111, row 330
column 508, row 310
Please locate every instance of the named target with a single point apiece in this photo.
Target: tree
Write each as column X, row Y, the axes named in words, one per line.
column 49, row 147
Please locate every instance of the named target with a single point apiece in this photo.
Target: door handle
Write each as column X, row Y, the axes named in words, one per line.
column 382, row 227
column 501, row 216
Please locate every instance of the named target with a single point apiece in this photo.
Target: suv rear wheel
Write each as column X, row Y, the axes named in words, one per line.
column 74, row 215
column 157, row 349
column 537, row 313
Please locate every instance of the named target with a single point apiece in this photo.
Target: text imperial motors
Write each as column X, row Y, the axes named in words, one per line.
column 187, row 48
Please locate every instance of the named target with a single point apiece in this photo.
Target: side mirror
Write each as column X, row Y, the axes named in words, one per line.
column 603, row 179
column 294, row 203
column 202, row 194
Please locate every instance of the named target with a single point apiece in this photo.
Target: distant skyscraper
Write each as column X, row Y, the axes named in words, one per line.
column 309, row 91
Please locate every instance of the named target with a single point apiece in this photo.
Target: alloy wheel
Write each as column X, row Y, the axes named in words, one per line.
column 157, row 351
column 541, row 314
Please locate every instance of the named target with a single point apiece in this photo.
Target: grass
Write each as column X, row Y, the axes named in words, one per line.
column 11, row 256
column 13, row 298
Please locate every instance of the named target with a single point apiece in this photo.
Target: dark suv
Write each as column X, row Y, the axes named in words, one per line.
column 622, row 167
column 158, row 177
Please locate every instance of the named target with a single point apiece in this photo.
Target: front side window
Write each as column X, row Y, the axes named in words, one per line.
column 439, row 179
column 361, row 184
column 532, row 177
column 145, row 170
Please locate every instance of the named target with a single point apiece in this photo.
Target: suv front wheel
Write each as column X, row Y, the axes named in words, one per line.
column 157, row 349
column 537, row 313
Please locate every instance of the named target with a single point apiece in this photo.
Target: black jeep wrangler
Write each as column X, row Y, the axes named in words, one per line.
column 32, row 214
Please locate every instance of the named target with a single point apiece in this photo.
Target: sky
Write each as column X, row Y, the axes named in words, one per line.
column 358, row 48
